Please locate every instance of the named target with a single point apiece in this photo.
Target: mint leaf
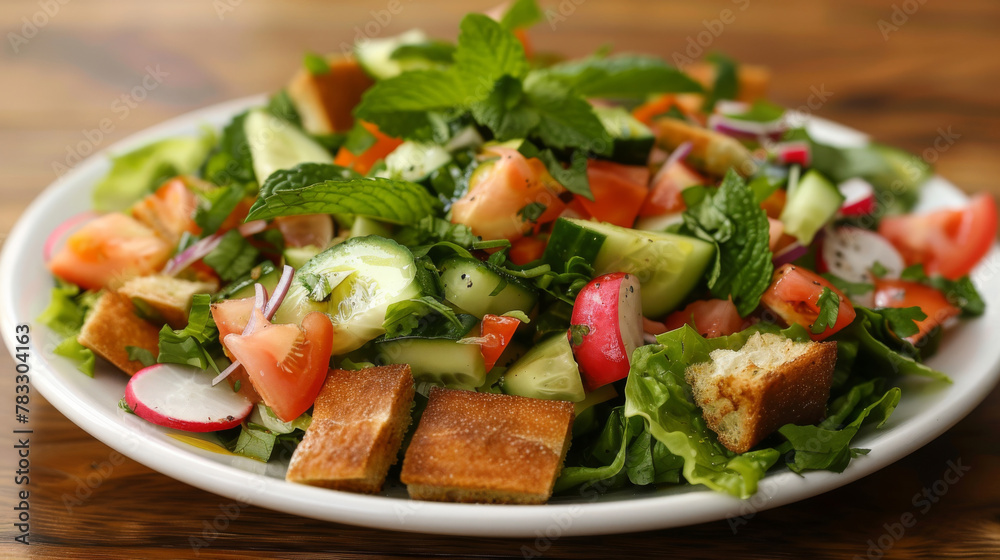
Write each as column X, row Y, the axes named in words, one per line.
column 359, row 139
column 760, row 111
column 882, row 352
column 431, row 229
column 531, row 213
column 568, row 121
column 404, row 317
column 187, row 346
column 486, row 51
column 388, row 200
column 233, row 257
column 902, row 320
column 503, row 111
column 829, row 307
column 441, row 52
column 961, row 293
column 521, row 14
column 730, row 217
column 627, row 75
column 315, row 64
column 849, row 288
column 230, row 162
column 216, row 205
column 573, row 178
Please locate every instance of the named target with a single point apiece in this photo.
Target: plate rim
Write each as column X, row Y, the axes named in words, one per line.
column 400, row 514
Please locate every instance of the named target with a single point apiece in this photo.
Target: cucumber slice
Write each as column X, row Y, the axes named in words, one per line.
column 363, row 225
column 660, row 223
column 415, row 161
column 437, row 360
column 469, row 285
column 548, row 371
column 265, row 273
column 375, row 55
column 366, row 275
column 633, row 140
column 668, row 265
column 812, row 204
column 297, row 257
column 278, row 144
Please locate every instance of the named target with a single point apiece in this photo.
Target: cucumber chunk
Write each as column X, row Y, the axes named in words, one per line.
column 548, row 371
column 375, row 55
column 414, row 161
column 668, row 265
column 278, row 144
column 812, row 204
column 469, row 285
column 365, row 275
column 297, row 257
column 437, row 360
column 633, row 140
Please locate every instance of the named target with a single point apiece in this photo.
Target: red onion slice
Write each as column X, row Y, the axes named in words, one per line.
column 63, row 230
column 225, row 373
column 280, row 290
column 678, row 155
column 739, row 128
column 790, row 254
column 259, row 301
column 196, row 252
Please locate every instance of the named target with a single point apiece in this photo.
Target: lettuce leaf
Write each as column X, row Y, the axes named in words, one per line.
column 619, row 76
column 139, row 172
column 65, row 315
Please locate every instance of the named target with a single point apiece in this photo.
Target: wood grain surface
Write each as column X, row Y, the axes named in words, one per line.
column 935, row 75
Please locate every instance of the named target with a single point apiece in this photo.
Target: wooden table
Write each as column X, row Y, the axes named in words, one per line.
column 934, row 75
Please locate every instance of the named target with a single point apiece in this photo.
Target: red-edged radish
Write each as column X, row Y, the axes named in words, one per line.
column 797, row 153
column 183, row 397
column 859, row 197
column 606, row 326
column 850, row 253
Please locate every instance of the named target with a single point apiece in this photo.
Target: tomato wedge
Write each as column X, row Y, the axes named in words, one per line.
column 286, row 363
column 711, row 318
column 902, row 293
column 109, row 249
column 526, row 250
column 649, row 110
column 362, row 163
column 948, row 242
column 619, row 191
column 794, row 295
column 497, row 332
column 665, row 193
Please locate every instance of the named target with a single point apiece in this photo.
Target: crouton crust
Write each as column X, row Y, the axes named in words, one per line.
column 358, row 424
column 325, row 102
column 747, row 402
column 166, row 296
column 112, row 325
column 487, row 448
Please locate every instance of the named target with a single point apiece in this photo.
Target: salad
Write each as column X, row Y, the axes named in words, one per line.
column 502, row 221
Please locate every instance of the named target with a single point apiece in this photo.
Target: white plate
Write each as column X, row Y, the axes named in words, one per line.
column 969, row 354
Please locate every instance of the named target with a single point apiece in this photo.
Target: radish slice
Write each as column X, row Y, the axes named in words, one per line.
column 859, row 197
column 280, row 290
column 608, row 312
column 739, row 128
column 183, row 397
column 793, row 153
column 63, row 230
column 850, row 253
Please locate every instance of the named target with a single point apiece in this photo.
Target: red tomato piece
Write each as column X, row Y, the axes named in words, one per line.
column 774, row 204
column 286, row 363
column 619, row 191
column 901, row 293
column 231, row 317
column 649, row 110
column 711, row 318
column 362, row 163
column 948, row 242
column 497, row 332
column 665, row 194
column 108, row 250
column 526, row 250
column 307, row 229
column 169, row 211
column 794, row 295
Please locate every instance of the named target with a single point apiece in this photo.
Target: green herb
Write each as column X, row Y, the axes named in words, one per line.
column 255, row 442
column 829, row 307
column 878, row 270
column 441, row 52
column 882, row 352
column 282, row 106
column 216, row 205
column 577, row 332
column 233, row 257
column 731, row 218
column 849, row 288
column 532, row 212
column 404, row 317
column 521, row 14
column 65, row 315
column 431, row 229
column 620, row 76
column 760, row 111
column 573, row 178
column 359, row 139
column 315, row 64
column 141, row 355
column 902, row 320
column 84, row 357
column 519, row 315
column 505, row 112
column 230, row 161
column 187, row 346
column 237, row 385
column 123, row 404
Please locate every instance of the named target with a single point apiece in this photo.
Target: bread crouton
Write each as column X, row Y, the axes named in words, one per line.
column 746, row 394
column 112, row 325
column 326, row 101
column 487, row 448
column 165, row 297
column 711, row 151
column 358, row 424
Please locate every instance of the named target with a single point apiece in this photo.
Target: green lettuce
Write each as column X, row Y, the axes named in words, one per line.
column 65, row 315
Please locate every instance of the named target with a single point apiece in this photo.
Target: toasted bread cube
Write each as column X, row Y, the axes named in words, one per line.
column 166, row 297
column 112, row 325
column 711, row 151
column 487, row 448
column 358, row 424
column 747, row 394
column 326, row 101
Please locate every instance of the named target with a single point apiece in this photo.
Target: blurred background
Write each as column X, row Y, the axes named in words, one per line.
column 923, row 75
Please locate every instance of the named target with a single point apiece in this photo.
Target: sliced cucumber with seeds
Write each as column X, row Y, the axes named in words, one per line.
column 375, row 55
column 365, row 275
column 415, row 161
column 278, row 144
column 470, row 285
column 548, row 371
column 437, row 360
